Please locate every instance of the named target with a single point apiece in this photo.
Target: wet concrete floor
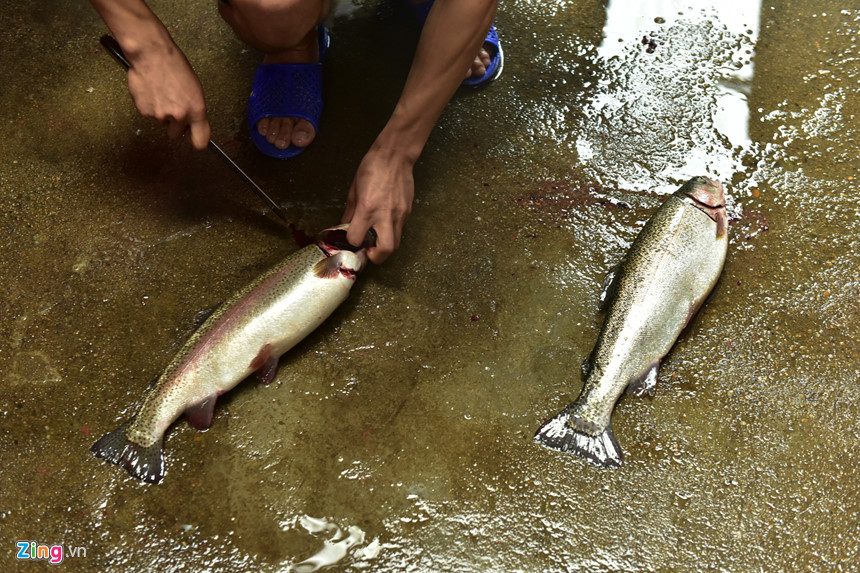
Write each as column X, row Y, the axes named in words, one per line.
column 398, row 437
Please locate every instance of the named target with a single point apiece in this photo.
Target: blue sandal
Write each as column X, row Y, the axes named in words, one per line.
column 491, row 44
column 287, row 90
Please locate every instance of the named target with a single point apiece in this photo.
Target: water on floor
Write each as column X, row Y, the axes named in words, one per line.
column 398, row 436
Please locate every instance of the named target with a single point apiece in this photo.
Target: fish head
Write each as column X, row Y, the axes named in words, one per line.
column 708, row 196
column 333, row 242
column 704, row 190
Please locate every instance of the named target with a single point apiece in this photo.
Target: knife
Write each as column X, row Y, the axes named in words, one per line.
column 114, row 49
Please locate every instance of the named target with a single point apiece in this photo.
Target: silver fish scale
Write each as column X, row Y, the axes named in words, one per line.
column 671, row 267
column 285, row 303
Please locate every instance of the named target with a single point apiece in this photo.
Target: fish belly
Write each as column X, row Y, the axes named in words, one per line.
column 269, row 319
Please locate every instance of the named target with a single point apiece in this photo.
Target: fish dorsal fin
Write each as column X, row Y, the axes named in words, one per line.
column 196, row 323
column 200, row 415
column 588, row 366
column 610, row 286
column 203, row 315
column 152, row 383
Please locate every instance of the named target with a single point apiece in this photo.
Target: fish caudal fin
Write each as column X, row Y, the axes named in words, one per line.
column 602, row 449
column 144, row 463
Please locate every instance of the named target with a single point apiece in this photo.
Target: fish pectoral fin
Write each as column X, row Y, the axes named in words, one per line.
column 200, row 415
column 558, row 434
column 144, row 463
column 610, row 286
column 646, row 383
column 344, row 263
column 328, row 268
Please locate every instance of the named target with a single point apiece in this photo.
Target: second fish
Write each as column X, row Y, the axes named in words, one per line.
column 649, row 297
column 246, row 334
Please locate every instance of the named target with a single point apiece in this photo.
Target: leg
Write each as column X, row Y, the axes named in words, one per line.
column 482, row 59
column 285, row 31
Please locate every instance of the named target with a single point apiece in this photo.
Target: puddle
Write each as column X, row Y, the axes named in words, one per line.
column 404, row 424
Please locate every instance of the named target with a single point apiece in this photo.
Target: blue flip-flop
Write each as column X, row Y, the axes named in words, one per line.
column 491, row 44
column 287, row 90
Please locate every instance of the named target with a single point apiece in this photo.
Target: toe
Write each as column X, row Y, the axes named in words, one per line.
column 285, row 131
column 303, row 133
column 263, row 126
column 478, row 69
column 279, row 132
column 480, row 64
column 485, row 58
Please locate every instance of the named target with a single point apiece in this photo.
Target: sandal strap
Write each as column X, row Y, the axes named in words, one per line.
column 287, row 90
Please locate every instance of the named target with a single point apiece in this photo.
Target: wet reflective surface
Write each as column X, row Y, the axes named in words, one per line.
column 399, row 435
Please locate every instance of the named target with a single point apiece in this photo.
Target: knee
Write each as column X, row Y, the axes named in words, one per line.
column 273, row 24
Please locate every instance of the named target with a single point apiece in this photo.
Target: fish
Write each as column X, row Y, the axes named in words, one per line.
column 247, row 334
column 649, row 297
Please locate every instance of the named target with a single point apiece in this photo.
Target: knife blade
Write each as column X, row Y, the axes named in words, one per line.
column 112, row 46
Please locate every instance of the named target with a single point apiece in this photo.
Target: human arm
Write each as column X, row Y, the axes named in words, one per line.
column 382, row 191
column 160, row 79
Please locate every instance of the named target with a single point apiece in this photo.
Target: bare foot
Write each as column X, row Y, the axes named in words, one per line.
column 479, row 65
column 285, row 131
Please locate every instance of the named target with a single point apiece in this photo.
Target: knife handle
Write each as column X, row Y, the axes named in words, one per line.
column 114, row 49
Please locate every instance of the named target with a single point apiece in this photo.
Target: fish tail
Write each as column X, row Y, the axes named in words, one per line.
column 560, row 433
column 144, row 463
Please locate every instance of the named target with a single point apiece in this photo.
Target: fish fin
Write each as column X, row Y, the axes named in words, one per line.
column 610, row 287
column 203, row 315
column 722, row 221
column 200, row 415
column 266, row 373
column 197, row 322
column 692, row 312
column 646, row 383
column 144, row 463
column 328, row 268
column 265, row 364
column 588, row 365
column 558, row 434
column 152, row 383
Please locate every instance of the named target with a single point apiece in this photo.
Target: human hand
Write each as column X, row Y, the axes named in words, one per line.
column 164, row 86
column 380, row 197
